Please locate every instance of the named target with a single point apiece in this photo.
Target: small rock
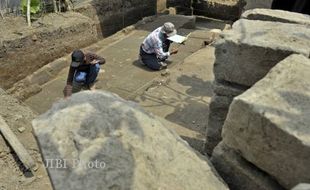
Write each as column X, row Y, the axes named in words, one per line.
column 18, row 33
column 35, row 168
column 18, row 117
column 39, row 176
column 29, row 181
column 2, row 154
column 21, row 129
column 193, row 122
column 165, row 72
column 1, row 91
column 117, row 134
column 34, row 38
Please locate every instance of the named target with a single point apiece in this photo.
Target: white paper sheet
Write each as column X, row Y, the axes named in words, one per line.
column 178, row 39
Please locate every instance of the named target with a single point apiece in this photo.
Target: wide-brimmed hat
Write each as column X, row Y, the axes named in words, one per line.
column 169, row 29
column 77, row 58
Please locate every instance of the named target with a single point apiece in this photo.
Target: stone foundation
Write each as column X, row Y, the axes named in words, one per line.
column 244, row 55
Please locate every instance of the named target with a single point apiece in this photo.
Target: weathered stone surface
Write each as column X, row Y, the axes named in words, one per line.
column 238, row 173
column 269, row 123
column 218, row 111
column 276, row 16
column 139, row 152
column 252, row 4
column 302, row 186
column 246, row 54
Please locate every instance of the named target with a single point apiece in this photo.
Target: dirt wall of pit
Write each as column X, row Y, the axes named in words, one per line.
column 111, row 16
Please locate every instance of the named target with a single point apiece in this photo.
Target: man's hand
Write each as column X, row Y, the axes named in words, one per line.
column 94, row 62
column 67, row 91
column 174, row 51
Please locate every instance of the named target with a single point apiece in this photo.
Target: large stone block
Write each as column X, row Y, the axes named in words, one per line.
column 276, row 16
column 248, row 51
column 302, row 186
column 135, row 149
column 238, row 173
column 269, row 123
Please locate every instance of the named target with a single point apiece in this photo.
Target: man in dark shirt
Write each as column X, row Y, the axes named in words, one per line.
column 83, row 72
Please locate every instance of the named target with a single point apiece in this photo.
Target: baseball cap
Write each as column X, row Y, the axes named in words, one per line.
column 169, row 29
column 77, row 58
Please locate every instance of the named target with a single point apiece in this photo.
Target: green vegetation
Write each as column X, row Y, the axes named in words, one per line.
column 35, row 6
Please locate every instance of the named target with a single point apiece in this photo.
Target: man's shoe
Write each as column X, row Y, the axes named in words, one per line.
column 163, row 65
column 140, row 61
column 92, row 87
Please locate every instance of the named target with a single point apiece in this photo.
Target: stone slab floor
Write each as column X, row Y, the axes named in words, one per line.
column 182, row 97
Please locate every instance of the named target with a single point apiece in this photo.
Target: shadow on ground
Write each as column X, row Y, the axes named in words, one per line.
column 198, row 87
